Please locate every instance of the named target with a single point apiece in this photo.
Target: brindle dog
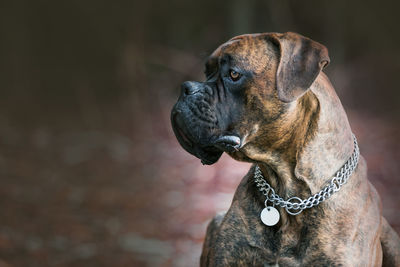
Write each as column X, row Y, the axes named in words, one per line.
column 266, row 101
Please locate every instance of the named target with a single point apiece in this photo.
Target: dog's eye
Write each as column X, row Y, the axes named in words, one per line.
column 234, row 75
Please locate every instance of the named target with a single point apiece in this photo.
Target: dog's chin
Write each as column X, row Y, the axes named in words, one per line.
column 206, row 151
column 208, row 156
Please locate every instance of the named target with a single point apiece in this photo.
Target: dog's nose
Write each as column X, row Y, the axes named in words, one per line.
column 190, row 88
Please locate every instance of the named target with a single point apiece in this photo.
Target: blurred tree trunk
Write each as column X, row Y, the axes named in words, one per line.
column 280, row 15
column 241, row 16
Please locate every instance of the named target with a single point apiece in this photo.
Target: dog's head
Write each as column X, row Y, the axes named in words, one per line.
column 252, row 81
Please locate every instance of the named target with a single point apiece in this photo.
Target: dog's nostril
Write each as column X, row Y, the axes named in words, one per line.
column 187, row 91
column 188, row 88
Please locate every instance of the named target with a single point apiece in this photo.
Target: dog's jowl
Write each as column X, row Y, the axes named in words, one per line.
column 306, row 201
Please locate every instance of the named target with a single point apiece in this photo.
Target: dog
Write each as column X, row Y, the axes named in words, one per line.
column 266, row 101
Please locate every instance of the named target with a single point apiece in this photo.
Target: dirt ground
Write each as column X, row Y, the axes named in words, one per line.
column 124, row 195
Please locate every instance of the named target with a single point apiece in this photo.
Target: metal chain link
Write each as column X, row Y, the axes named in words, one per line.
column 296, row 205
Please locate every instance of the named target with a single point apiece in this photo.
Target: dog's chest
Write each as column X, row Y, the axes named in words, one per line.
column 277, row 251
column 293, row 247
column 264, row 246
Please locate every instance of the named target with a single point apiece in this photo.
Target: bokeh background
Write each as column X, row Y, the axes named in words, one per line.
column 90, row 171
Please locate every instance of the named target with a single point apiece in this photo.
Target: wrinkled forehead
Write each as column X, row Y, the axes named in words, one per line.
column 249, row 50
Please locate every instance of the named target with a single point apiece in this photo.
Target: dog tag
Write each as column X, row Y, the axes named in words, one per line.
column 270, row 216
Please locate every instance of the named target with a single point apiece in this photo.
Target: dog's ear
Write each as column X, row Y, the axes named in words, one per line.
column 301, row 60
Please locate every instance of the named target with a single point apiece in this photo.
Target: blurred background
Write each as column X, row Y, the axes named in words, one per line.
column 90, row 171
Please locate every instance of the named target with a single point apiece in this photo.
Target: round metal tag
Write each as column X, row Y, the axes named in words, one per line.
column 270, row 216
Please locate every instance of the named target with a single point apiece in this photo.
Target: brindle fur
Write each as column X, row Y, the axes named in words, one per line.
column 292, row 124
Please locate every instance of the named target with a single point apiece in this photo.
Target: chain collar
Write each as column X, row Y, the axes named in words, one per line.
column 296, row 205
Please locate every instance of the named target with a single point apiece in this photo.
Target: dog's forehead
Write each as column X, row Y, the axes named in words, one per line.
column 240, row 45
column 249, row 48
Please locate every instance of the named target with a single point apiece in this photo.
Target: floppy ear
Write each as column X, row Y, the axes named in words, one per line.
column 301, row 60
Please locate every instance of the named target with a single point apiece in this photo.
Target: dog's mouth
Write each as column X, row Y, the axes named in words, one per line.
column 207, row 153
column 208, row 150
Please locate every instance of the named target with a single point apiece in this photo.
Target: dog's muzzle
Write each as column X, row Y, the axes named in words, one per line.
column 196, row 124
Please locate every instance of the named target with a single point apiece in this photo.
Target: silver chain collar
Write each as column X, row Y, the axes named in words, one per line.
column 296, row 205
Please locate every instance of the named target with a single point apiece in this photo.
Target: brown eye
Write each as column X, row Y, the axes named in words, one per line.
column 234, row 75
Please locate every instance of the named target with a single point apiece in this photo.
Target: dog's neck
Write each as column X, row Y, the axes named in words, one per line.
column 317, row 142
